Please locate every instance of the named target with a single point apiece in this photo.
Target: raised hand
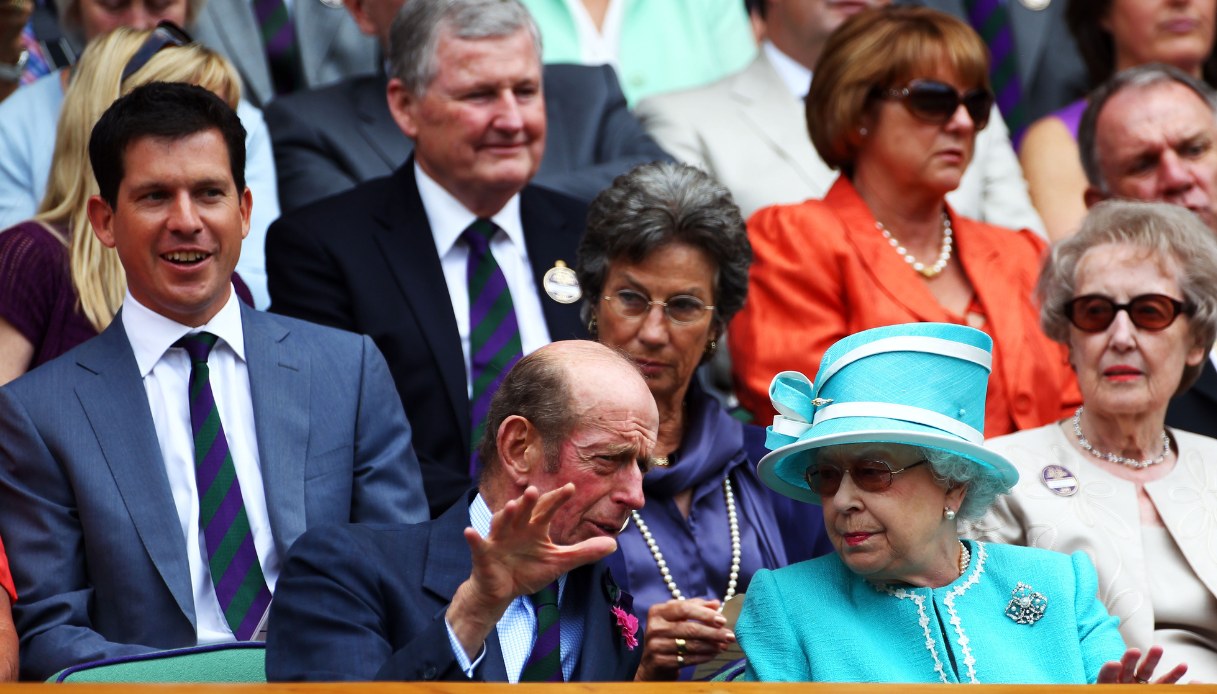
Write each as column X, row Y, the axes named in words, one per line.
column 516, row 558
column 680, row 633
column 1127, row 670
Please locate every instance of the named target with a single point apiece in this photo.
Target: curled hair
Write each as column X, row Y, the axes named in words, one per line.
column 97, row 81
column 660, row 203
column 1140, row 77
column 1168, row 234
column 879, row 49
column 1097, row 47
column 983, row 483
column 416, row 30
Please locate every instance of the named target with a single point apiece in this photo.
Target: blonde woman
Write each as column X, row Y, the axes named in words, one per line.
column 58, row 285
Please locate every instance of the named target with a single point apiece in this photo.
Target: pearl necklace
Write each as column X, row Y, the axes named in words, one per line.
column 1112, row 457
column 964, row 557
column 944, row 255
column 732, row 521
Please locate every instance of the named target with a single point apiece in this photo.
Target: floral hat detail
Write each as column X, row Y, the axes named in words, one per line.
column 920, row 384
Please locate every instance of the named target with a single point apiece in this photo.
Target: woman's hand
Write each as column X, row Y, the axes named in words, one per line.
column 680, row 633
column 1127, row 670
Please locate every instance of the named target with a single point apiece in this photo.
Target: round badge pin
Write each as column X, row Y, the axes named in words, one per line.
column 561, row 284
column 334, row 4
column 1059, row 480
column 1036, row 5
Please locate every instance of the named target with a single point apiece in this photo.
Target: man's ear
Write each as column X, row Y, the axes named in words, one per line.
column 520, row 451
column 247, row 209
column 1093, row 196
column 101, row 216
column 404, row 107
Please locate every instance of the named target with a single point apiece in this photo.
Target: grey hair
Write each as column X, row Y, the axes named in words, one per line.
column 659, row 203
column 414, row 36
column 983, row 484
column 1139, row 77
column 1166, row 233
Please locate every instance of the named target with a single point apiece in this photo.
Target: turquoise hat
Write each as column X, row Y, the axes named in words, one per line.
column 919, row 384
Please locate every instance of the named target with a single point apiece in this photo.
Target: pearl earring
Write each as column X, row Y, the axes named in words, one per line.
column 948, row 513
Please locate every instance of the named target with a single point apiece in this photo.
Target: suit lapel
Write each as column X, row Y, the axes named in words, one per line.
column 376, row 123
column 405, row 237
column 237, row 28
column 448, row 565
column 604, row 656
column 767, row 106
column 278, row 374
column 1030, row 29
column 116, row 406
column 550, row 237
column 316, row 27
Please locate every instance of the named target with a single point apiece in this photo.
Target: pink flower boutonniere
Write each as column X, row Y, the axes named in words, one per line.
column 628, row 624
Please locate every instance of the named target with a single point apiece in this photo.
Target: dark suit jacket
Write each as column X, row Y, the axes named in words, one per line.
column 365, row 261
column 1195, row 409
column 327, row 140
column 1050, row 69
column 368, row 602
column 87, row 512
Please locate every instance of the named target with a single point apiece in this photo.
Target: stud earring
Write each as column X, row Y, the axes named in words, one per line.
column 711, row 348
column 948, row 513
column 592, row 327
column 863, row 132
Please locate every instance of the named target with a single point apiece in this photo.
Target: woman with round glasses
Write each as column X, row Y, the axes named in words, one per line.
column 1133, row 295
column 896, row 102
column 663, row 267
column 887, row 440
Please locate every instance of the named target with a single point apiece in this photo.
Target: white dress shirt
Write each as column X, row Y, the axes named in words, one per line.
column 794, row 74
column 166, row 374
column 602, row 45
column 449, row 219
column 517, row 628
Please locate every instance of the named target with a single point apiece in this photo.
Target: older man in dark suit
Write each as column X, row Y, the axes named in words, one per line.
column 152, row 479
column 329, row 139
column 443, row 263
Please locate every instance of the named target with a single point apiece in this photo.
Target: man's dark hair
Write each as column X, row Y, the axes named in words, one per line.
column 170, row 110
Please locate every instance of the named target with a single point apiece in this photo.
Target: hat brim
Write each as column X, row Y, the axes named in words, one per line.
column 783, row 471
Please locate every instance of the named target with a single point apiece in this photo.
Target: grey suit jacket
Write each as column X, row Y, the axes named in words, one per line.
column 750, row 133
column 1049, row 68
column 330, row 44
column 327, row 140
column 97, row 553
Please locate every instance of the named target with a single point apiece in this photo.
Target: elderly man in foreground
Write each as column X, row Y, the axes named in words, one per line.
column 524, row 596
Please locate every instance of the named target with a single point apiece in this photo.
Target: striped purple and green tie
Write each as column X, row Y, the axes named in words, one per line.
column 544, row 663
column 494, row 335
column 991, row 19
column 279, row 38
column 231, row 556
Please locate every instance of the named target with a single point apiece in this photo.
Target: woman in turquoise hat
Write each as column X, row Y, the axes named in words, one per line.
column 888, row 441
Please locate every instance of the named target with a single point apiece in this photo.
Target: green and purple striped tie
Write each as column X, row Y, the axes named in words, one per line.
column 544, row 663
column 991, row 19
column 231, row 556
column 494, row 335
column 279, row 38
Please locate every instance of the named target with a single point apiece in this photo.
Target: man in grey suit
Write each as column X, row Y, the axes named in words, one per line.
column 329, row 46
column 749, row 129
column 328, row 140
column 153, row 479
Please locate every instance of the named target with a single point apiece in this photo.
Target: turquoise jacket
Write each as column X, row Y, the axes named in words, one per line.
column 665, row 44
column 818, row 621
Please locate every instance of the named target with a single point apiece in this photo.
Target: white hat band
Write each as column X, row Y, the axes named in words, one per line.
column 905, row 413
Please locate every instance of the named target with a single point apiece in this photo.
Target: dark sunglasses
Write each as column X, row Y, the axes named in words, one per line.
column 935, row 102
column 165, row 34
column 1093, row 313
column 868, row 475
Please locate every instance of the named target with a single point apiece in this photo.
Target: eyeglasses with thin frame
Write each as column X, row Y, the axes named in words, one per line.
column 935, row 102
column 164, row 35
column 868, row 475
column 681, row 309
column 1093, row 313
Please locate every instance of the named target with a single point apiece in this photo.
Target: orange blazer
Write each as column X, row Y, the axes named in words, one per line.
column 821, row 271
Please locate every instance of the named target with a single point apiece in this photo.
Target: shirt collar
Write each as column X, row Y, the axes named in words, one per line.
column 449, row 218
column 795, row 76
column 152, row 334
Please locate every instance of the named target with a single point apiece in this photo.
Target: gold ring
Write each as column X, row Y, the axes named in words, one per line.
column 680, row 647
